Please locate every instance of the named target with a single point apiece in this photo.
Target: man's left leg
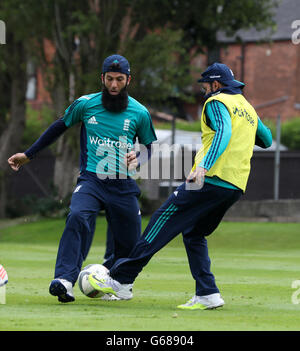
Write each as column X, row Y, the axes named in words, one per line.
column 207, row 293
column 124, row 221
column 199, row 262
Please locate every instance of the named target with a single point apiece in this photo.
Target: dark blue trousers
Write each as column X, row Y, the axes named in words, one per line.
column 195, row 214
column 119, row 199
column 109, row 244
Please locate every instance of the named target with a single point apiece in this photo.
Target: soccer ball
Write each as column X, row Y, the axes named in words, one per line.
column 84, row 284
column 3, row 276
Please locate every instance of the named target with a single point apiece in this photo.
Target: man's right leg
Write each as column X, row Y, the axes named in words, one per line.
column 180, row 211
column 167, row 222
column 77, row 236
column 74, row 244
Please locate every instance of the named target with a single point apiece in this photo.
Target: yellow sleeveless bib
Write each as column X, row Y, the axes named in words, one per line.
column 233, row 165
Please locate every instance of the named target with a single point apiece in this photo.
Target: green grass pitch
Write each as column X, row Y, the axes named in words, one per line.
column 255, row 265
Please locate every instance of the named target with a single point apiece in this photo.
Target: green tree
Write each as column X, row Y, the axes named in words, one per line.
column 290, row 133
column 200, row 20
column 13, row 88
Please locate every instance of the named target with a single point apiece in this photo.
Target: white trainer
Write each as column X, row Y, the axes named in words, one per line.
column 109, row 297
column 203, row 302
column 107, row 285
column 63, row 289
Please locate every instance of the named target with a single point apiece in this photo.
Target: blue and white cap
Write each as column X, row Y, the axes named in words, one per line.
column 116, row 63
column 221, row 73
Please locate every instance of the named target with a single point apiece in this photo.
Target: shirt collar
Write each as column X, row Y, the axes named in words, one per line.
column 225, row 90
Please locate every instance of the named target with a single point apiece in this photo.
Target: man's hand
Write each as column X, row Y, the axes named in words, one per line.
column 18, row 160
column 131, row 161
column 197, row 176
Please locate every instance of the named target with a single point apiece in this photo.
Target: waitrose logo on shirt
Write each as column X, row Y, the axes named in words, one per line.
column 121, row 143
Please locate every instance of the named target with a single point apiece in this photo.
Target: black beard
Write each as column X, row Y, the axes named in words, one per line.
column 115, row 103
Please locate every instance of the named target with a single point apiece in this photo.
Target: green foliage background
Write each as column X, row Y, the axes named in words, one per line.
column 289, row 134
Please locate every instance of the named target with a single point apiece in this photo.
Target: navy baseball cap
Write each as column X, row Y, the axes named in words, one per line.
column 221, row 73
column 116, row 63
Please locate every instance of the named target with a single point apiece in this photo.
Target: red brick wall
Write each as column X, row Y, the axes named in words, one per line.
column 270, row 72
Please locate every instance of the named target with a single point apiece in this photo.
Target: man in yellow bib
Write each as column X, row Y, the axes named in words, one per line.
column 230, row 128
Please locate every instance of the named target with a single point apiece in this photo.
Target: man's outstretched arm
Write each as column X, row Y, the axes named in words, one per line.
column 47, row 138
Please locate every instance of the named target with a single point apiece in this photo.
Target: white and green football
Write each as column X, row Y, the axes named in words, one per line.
column 84, row 284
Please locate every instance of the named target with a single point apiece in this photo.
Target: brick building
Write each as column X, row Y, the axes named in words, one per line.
column 267, row 62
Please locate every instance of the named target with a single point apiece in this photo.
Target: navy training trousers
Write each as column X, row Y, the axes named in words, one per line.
column 119, row 199
column 195, row 214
